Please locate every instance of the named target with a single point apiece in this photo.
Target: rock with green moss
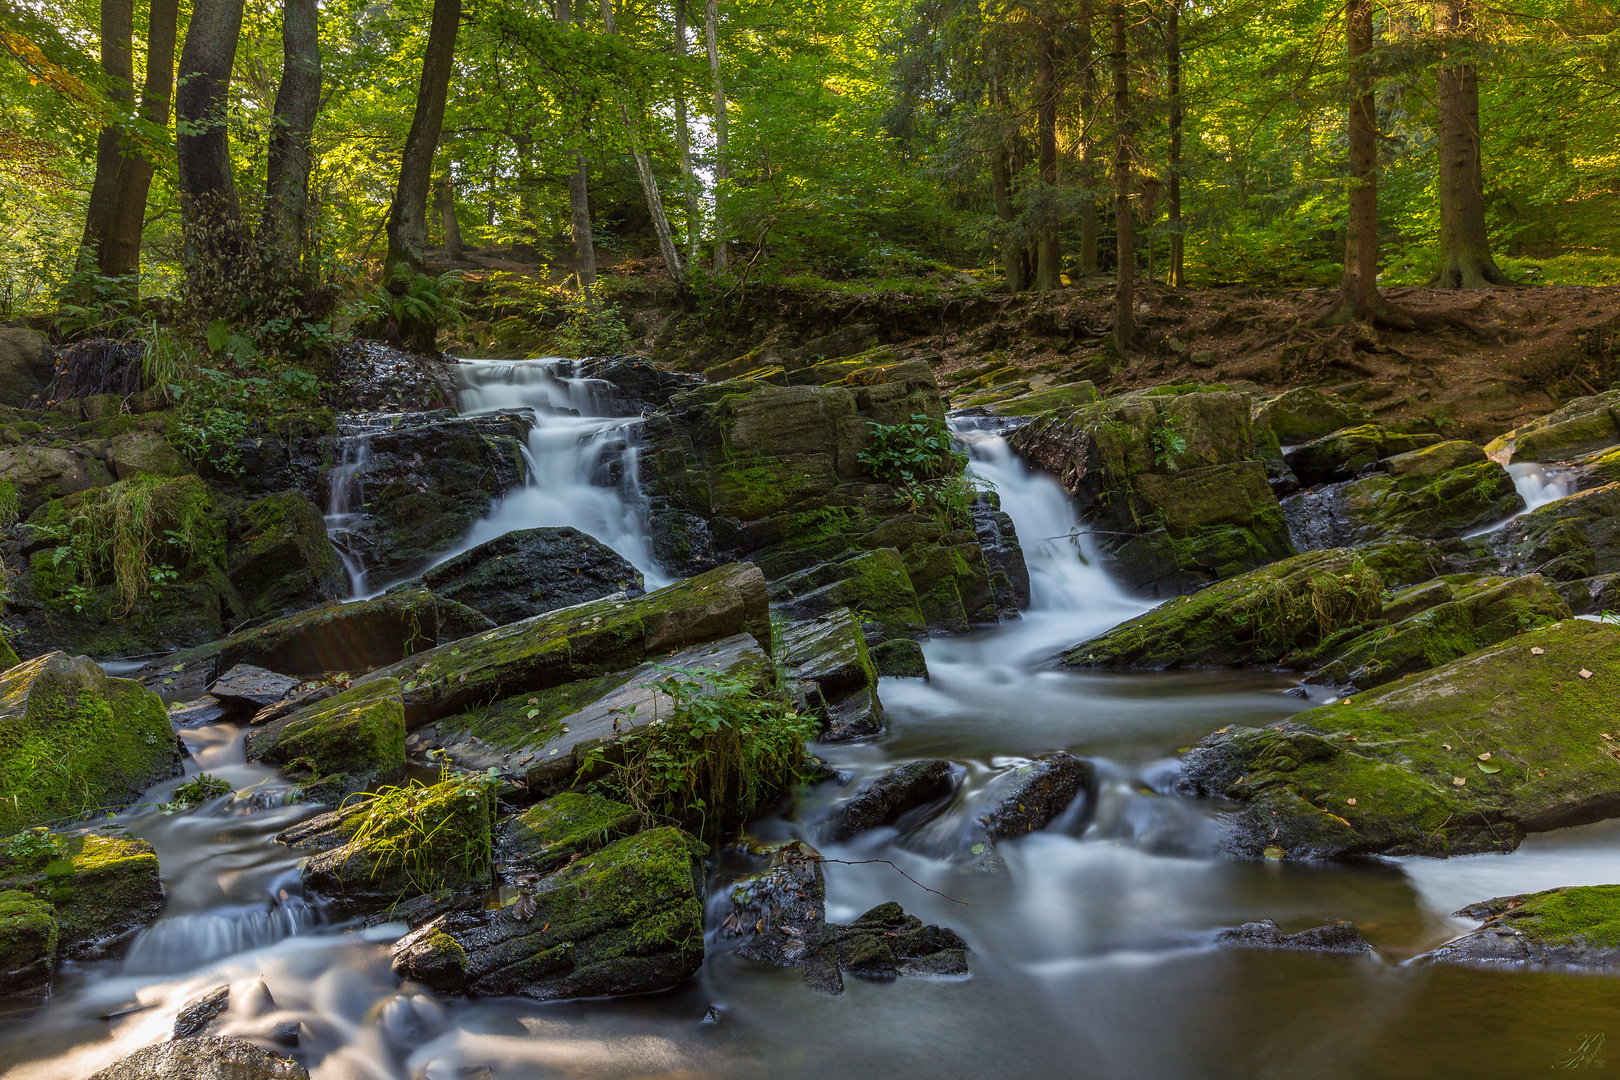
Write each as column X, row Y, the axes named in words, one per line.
column 1577, row 926
column 27, row 364
column 528, row 572
column 102, row 883
column 876, row 584
column 1468, row 757
column 900, row 658
column 828, row 656
column 1430, row 624
column 1168, row 483
column 1300, row 415
column 144, row 453
column 8, row 655
column 378, row 851
column 1583, row 426
column 1577, row 536
column 279, row 558
column 626, row 919
column 1261, row 617
column 1439, row 491
column 73, row 740
column 557, row 830
column 28, row 940
column 346, row 742
column 41, row 473
column 1344, row 454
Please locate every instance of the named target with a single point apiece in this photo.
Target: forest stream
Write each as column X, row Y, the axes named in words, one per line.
column 1092, row 952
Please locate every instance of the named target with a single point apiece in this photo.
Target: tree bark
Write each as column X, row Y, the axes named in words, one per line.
column 210, row 217
column 579, row 199
column 283, row 226
column 447, row 217
column 722, row 165
column 1172, row 47
column 644, row 172
column 1465, row 244
column 683, row 141
column 122, row 253
column 1048, row 269
column 118, row 66
column 1088, row 145
column 1125, row 288
column 407, row 218
column 1012, row 255
column 1358, row 289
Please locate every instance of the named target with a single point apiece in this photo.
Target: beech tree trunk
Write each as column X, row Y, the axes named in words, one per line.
column 644, row 172
column 210, row 217
column 683, row 142
column 1048, row 256
column 1358, row 290
column 407, row 218
column 1465, row 245
column 283, row 228
column 447, row 217
column 118, row 66
column 722, row 166
column 122, row 252
column 1125, row 288
column 579, row 198
column 1176, row 278
column 1088, row 144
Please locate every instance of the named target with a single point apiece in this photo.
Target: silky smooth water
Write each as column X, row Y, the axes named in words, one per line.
column 1091, row 956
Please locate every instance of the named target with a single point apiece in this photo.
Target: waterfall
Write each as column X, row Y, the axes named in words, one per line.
column 1540, row 484
column 186, row 941
column 346, row 495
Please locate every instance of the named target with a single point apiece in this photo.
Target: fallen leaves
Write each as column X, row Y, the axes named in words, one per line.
column 1489, row 767
column 1350, row 802
column 1537, row 651
column 1486, row 756
column 1274, row 852
column 1585, row 674
column 1460, row 781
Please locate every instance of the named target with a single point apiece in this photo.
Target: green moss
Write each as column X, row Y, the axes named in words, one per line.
column 359, row 733
column 1586, row 915
column 755, row 489
column 552, row 832
column 532, row 718
column 100, row 884
column 29, row 936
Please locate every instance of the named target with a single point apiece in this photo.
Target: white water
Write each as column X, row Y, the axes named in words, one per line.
column 1538, row 484
column 346, row 500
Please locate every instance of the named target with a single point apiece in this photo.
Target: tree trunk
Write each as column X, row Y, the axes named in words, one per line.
column 579, row 199
column 447, row 216
column 1465, row 245
column 210, row 218
column 407, row 218
column 1125, row 289
column 1358, row 290
column 649, row 182
column 683, row 141
column 283, row 227
column 1048, row 253
column 1088, row 145
column 118, row 66
column 122, row 253
column 1172, row 47
column 722, row 166
column 1012, row 256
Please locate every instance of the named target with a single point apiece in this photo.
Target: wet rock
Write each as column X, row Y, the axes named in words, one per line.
column 1305, row 413
column 291, row 452
column 204, row 1058
column 877, row 584
column 1262, row 617
column 201, row 1011
column 28, row 939
column 562, row 828
column 830, row 655
column 26, row 366
column 531, row 571
column 374, row 377
column 1583, row 426
column 1577, row 536
column 1033, row 796
column 404, row 844
column 279, row 557
column 1577, row 926
column 246, row 689
column 626, row 919
column 343, row 743
column 1345, row 454
column 109, row 737
column 780, row 915
column 103, row 885
column 1168, row 482
column 1335, row 937
column 640, row 386
column 1003, row 556
column 900, row 658
column 1465, row 758
column 1593, row 595
column 900, row 797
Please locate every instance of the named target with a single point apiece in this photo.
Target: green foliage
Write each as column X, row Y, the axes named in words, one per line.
column 906, row 453
column 406, row 296
column 35, row 847
column 10, row 503
column 591, row 327
column 1166, row 443
column 196, row 792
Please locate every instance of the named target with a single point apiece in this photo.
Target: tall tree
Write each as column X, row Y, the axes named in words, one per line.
column 1465, row 244
column 644, row 172
column 1048, row 253
column 122, row 252
column 1176, row 277
column 683, row 140
column 1088, row 141
column 579, row 196
column 283, row 227
column 118, row 69
column 407, row 217
column 722, row 164
column 1002, row 171
column 1125, row 285
column 446, row 192
column 1358, row 289
column 210, row 216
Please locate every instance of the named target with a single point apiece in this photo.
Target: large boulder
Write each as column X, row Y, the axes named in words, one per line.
column 26, row 366
column 1168, row 483
column 901, row 797
column 279, row 557
column 204, row 1057
column 1467, row 757
column 28, row 939
column 73, row 740
column 625, row 919
column 1344, row 454
column 1583, row 426
column 1300, row 415
column 1567, row 927
column 531, row 571
column 102, row 884
column 344, row 743
column 829, row 658
column 1575, row 537
column 42, row 473
column 144, row 453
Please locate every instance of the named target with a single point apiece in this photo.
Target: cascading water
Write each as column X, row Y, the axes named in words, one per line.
column 346, row 494
column 1538, row 484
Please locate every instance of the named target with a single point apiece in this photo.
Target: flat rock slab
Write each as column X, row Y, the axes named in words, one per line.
column 252, row 688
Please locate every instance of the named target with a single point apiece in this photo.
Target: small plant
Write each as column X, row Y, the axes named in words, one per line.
column 406, row 297
column 1166, row 443
column 591, row 327
column 210, row 435
column 421, row 829
column 161, row 577
column 10, row 503
column 35, row 847
column 197, row 792
column 912, row 451
column 164, row 363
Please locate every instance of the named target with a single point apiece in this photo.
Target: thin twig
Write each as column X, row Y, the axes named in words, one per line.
column 896, row 869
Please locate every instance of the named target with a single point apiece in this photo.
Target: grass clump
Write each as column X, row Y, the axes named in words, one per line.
column 419, row 838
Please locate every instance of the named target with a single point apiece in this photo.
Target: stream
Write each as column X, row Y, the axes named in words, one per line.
column 1092, row 956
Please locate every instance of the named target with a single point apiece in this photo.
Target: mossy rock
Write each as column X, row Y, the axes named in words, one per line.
column 42, row 473
column 1412, row 756
column 551, row 833
column 752, row 489
column 627, row 919
column 875, row 585
column 1344, row 454
column 102, row 883
column 280, row 557
column 1303, row 414
column 900, row 658
column 357, row 736
column 1583, row 426
column 72, row 740
column 144, row 453
column 28, row 940
column 8, row 655
column 1568, row 926
column 1577, row 536
column 1261, row 617
column 829, row 655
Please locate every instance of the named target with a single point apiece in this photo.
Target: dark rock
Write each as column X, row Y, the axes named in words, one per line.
column 531, row 571
column 830, row 655
column 1592, row 595
column 203, row 1058
column 195, row 1016
column 1577, row 927
column 42, row 473
column 279, row 557
column 902, row 796
column 1033, row 796
column 198, row 712
column 900, row 658
column 246, row 689
column 374, row 377
column 1575, row 537
column 640, row 386
column 1335, row 937
column 1003, row 556
column 28, row 941
column 285, row 1034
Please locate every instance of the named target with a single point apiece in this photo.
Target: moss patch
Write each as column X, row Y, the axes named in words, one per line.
column 550, row 833
column 358, row 734
column 101, row 884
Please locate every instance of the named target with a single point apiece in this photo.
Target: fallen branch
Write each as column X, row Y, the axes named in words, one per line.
column 896, row 869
